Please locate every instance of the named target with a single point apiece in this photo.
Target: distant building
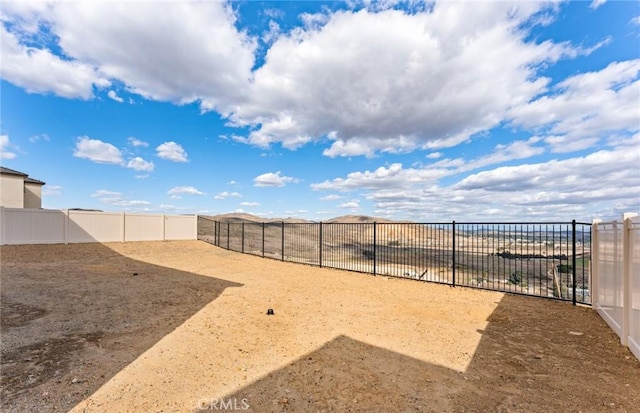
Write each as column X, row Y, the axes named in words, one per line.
column 17, row 190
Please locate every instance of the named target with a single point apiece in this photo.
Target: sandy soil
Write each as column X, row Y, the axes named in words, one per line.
column 190, row 333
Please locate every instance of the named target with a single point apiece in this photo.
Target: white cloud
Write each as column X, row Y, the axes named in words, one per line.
column 112, row 94
column 147, row 61
column 274, row 13
column 314, row 20
column 225, row 195
column 597, row 3
column 133, row 202
column 177, row 191
column 41, row 71
column 51, row 190
column 40, row 137
column 635, row 20
column 271, row 179
column 137, row 142
column 332, row 197
column 434, row 155
column 383, row 177
column 586, row 107
column 117, row 199
column 395, row 176
column 97, row 151
column 5, row 153
column 140, row 164
column 273, row 32
column 401, row 69
column 502, row 153
column 103, row 193
column 250, row 204
column 351, row 204
column 579, row 187
column 171, row 151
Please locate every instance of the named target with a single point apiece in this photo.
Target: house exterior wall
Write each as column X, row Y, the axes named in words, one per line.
column 11, row 191
column 32, row 195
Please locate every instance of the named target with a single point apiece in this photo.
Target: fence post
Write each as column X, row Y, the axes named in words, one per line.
column 320, row 249
column 595, row 262
column 164, row 227
column 123, row 227
column 453, row 251
column 375, row 247
column 282, row 240
column 573, row 259
column 3, row 226
column 627, row 269
column 65, row 228
column 228, row 234
column 242, row 237
column 262, row 239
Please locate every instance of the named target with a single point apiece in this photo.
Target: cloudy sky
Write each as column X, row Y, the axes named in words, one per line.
column 466, row 110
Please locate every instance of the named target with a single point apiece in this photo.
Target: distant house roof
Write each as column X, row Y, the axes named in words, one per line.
column 9, row 171
column 33, row 181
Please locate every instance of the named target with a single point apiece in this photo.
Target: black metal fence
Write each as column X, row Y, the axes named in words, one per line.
column 541, row 259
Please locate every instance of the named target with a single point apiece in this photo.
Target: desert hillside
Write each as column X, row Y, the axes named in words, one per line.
column 347, row 219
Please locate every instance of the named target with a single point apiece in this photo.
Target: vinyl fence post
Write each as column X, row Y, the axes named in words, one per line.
column 66, row 226
column 123, row 227
column 453, row 251
column 164, row 227
column 375, row 248
column 627, row 275
column 595, row 263
column 2, row 226
column 282, row 240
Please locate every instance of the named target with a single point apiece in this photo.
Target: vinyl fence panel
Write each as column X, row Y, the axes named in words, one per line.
column 180, row 227
column 634, row 284
column 94, row 226
column 609, row 269
column 143, row 227
column 617, row 277
column 42, row 226
column 32, row 226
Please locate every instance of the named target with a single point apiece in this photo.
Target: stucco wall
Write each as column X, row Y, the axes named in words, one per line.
column 32, row 195
column 11, row 191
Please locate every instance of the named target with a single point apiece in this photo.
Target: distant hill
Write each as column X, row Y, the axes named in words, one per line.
column 359, row 219
column 235, row 217
column 346, row 219
column 241, row 217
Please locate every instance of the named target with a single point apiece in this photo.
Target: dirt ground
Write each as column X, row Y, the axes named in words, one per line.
column 183, row 327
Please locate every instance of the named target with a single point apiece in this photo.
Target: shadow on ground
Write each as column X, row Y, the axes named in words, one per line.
column 531, row 358
column 72, row 320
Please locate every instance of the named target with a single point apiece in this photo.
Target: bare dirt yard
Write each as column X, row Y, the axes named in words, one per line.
column 183, row 327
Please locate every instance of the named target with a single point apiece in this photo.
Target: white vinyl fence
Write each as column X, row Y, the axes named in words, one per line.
column 47, row 226
column 616, row 277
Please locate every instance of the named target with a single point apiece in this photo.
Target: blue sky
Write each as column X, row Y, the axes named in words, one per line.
column 468, row 110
